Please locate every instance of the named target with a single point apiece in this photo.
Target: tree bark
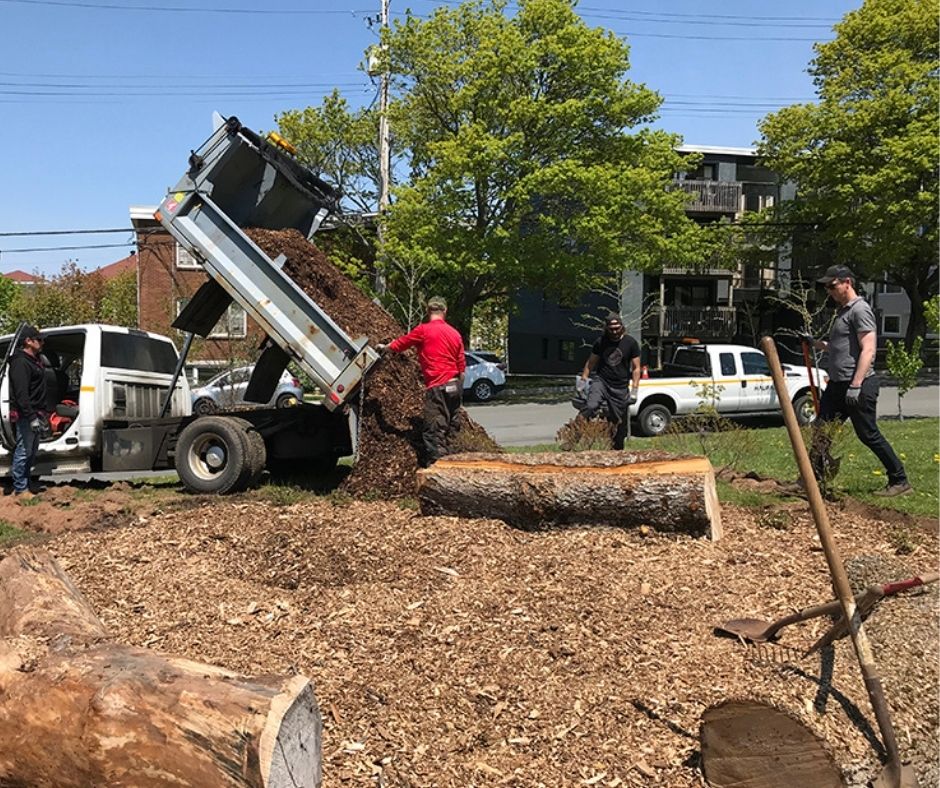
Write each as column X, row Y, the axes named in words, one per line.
column 539, row 490
column 79, row 710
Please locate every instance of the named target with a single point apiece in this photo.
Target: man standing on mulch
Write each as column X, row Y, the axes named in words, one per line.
column 27, row 403
column 616, row 359
column 441, row 358
column 852, row 391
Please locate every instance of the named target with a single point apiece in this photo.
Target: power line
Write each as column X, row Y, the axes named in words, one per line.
column 67, row 232
column 66, row 248
column 194, row 10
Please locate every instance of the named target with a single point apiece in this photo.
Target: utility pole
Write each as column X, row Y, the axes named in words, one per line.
column 384, row 156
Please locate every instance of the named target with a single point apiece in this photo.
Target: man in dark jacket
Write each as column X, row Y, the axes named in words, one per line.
column 27, row 403
column 615, row 358
column 441, row 358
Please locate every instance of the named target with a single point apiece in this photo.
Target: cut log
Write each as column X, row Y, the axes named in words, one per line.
column 78, row 710
column 749, row 744
column 540, row 490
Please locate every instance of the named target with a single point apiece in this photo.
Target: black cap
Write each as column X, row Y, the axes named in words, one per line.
column 834, row 272
column 613, row 317
column 30, row 332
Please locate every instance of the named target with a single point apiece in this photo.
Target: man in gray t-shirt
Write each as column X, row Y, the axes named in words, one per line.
column 852, row 391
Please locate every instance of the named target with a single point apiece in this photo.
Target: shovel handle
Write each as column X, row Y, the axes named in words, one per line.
column 889, row 589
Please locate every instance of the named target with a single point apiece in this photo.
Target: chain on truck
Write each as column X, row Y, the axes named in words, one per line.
column 119, row 395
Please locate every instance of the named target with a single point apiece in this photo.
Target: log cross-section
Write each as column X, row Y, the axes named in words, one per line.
column 540, row 490
column 77, row 709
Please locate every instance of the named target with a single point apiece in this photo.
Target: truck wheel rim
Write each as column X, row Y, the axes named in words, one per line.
column 657, row 422
column 483, row 391
column 808, row 412
column 208, row 457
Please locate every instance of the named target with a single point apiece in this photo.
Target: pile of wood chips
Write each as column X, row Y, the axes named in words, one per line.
column 390, row 432
column 456, row 652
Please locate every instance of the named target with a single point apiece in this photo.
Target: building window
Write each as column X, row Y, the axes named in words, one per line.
column 185, row 260
column 566, row 349
column 891, row 324
column 883, row 288
column 232, row 325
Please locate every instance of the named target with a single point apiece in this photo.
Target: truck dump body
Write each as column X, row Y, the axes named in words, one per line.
column 237, row 179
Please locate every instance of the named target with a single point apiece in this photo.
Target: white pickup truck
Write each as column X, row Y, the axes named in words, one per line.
column 738, row 376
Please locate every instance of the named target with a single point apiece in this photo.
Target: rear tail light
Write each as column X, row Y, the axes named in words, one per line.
column 295, row 383
column 501, row 367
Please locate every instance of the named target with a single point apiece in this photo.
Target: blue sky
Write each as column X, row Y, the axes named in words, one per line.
column 102, row 100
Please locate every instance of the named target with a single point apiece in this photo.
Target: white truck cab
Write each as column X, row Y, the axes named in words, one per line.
column 95, row 374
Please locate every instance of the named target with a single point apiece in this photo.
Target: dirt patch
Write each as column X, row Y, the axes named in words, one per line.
column 455, row 652
column 390, row 432
column 66, row 507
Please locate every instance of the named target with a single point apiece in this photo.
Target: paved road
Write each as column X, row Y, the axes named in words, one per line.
column 532, row 423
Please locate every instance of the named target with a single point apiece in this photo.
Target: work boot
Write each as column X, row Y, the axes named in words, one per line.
column 893, row 490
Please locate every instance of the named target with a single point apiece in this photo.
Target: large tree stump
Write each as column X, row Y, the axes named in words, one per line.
column 538, row 490
column 750, row 744
column 78, row 710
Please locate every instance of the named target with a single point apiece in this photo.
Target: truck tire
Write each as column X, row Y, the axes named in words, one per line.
column 212, row 455
column 286, row 401
column 654, row 420
column 256, row 452
column 204, row 407
column 805, row 410
column 483, row 390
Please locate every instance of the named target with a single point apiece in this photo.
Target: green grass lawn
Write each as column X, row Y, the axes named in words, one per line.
column 768, row 452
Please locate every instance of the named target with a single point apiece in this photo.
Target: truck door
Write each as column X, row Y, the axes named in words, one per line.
column 757, row 386
column 729, row 378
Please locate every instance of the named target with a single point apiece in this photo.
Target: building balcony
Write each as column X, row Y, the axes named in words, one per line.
column 712, row 196
column 703, row 322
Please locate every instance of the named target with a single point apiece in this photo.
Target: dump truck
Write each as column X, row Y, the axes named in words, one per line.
column 236, row 179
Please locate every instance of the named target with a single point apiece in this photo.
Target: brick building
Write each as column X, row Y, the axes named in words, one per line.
column 167, row 277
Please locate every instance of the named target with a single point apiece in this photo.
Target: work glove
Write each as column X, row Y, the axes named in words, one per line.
column 35, row 424
column 631, row 397
column 383, row 349
column 852, row 395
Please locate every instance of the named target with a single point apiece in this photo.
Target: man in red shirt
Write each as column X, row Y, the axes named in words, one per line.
column 440, row 355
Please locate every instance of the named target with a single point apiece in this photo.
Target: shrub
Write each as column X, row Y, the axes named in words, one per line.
column 580, row 434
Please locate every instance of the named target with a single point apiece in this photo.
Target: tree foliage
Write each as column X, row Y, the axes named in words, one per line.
column 864, row 155
column 74, row 296
column 523, row 170
column 904, row 365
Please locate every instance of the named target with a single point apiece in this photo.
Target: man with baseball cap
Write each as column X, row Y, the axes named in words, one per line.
column 852, row 391
column 615, row 358
column 441, row 358
column 27, row 404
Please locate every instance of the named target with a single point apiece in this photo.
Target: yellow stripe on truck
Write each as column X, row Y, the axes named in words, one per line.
column 88, row 388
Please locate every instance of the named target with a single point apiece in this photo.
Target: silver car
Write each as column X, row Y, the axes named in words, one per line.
column 227, row 391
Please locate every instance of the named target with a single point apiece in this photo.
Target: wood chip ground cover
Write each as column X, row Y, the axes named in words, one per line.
column 458, row 652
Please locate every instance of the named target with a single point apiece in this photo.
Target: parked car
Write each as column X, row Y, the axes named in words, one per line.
column 227, row 391
column 483, row 379
column 493, row 358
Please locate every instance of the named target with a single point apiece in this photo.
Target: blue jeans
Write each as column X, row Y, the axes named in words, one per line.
column 833, row 407
column 27, row 441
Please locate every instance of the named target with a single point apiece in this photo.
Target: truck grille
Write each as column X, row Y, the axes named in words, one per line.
column 141, row 401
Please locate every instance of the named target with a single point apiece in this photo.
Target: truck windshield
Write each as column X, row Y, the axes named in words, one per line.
column 140, row 352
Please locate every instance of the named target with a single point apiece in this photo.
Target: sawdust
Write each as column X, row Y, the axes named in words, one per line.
column 455, row 652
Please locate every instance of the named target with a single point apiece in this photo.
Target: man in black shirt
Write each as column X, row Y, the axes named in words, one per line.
column 27, row 401
column 615, row 358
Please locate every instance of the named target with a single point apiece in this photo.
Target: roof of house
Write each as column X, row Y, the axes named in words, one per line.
column 717, row 149
column 129, row 263
column 20, row 277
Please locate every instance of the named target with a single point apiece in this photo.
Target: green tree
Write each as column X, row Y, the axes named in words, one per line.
column 119, row 300
column 904, row 365
column 338, row 144
column 8, row 294
column 864, row 155
column 523, row 170
column 932, row 314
